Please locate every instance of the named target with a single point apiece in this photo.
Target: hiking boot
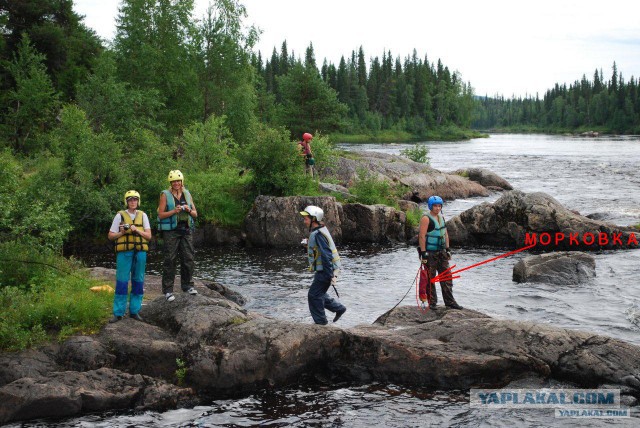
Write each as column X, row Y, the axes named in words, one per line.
column 339, row 314
column 454, row 306
column 433, row 307
column 115, row 318
column 136, row 317
column 192, row 291
column 170, row 297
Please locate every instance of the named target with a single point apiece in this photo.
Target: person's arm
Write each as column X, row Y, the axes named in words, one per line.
column 326, row 255
column 446, row 240
column 116, row 224
column 422, row 233
column 192, row 210
column 162, row 206
column 145, row 233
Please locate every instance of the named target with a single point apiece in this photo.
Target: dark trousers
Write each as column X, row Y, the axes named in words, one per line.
column 437, row 262
column 177, row 245
column 319, row 299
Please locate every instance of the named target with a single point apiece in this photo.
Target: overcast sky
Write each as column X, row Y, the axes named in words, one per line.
column 499, row 46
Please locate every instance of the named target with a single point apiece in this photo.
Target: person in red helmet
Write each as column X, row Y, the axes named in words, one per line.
column 305, row 150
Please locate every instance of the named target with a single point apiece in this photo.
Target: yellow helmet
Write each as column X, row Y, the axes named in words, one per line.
column 131, row 194
column 175, row 175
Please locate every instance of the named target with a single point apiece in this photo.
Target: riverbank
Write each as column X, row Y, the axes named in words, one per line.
column 393, row 136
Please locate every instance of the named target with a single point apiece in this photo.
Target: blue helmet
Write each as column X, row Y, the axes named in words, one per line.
column 433, row 200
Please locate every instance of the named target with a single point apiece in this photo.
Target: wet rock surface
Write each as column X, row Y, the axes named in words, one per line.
column 228, row 351
column 556, row 268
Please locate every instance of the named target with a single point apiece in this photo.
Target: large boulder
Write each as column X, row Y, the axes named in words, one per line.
column 463, row 348
column 276, row 221
column 517, row 219
column 485, row 177
column 556, row 268
column 373, row 223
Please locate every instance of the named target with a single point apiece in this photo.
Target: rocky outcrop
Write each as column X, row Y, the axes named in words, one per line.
column 229, row 351
column 488, row 179
column 556, row 268
column 422, row 180
column 335, row 188
column 276, row 221
column 516, row 215
column 373, row 223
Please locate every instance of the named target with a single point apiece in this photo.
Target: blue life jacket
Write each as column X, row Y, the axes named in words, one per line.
column 171, row 223
column 435, row 238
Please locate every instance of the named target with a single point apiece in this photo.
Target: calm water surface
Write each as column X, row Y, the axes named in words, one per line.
column 593, row 176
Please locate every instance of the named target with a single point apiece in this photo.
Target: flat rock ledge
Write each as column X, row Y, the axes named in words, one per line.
column 231, row 352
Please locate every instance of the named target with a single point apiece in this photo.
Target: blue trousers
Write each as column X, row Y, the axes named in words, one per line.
column 319, row 300
column 129, row 265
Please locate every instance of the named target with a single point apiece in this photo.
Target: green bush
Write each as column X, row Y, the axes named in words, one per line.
column 222, row 196
column 45, row 297
column 417, row 153
column 414, row 216
column 369, row 190
column 275, row 162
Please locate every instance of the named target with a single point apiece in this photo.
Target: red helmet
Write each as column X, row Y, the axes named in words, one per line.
column 306, row 136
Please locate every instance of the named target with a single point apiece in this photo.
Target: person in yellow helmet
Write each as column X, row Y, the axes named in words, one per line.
column 131, row 232
column 176, row 214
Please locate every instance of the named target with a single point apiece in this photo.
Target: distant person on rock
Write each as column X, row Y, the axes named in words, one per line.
column 305, row 150
column 131, row 231
column 176, row 212
column 434, row 251
column 324, row 261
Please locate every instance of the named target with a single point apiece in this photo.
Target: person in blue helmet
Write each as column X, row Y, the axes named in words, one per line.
column 324, row 261
column 131, row 231
column 434, row 251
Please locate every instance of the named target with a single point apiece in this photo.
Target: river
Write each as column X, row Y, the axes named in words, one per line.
column 597, row 176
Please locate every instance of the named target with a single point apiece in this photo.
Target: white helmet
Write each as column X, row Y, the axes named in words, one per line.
column 313, row 211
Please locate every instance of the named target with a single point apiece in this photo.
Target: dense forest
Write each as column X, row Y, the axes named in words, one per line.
column 83, row 120
column 413, row 95
column 611, row 106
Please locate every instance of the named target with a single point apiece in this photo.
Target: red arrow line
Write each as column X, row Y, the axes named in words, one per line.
column 449, row 273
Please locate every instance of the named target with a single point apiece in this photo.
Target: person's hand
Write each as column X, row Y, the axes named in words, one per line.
column 448, row 252
column 334, row 281
column 133, row 228
column 305, row 241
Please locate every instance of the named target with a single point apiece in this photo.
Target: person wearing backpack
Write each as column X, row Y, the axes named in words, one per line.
column 176, row 214
column 131, row 232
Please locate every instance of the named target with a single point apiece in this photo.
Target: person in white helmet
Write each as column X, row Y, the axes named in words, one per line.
column 324, row 261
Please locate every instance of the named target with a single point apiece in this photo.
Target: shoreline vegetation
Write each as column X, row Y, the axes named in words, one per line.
column 392, row 136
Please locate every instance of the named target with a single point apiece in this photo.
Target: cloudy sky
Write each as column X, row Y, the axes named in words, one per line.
column 508, row 47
